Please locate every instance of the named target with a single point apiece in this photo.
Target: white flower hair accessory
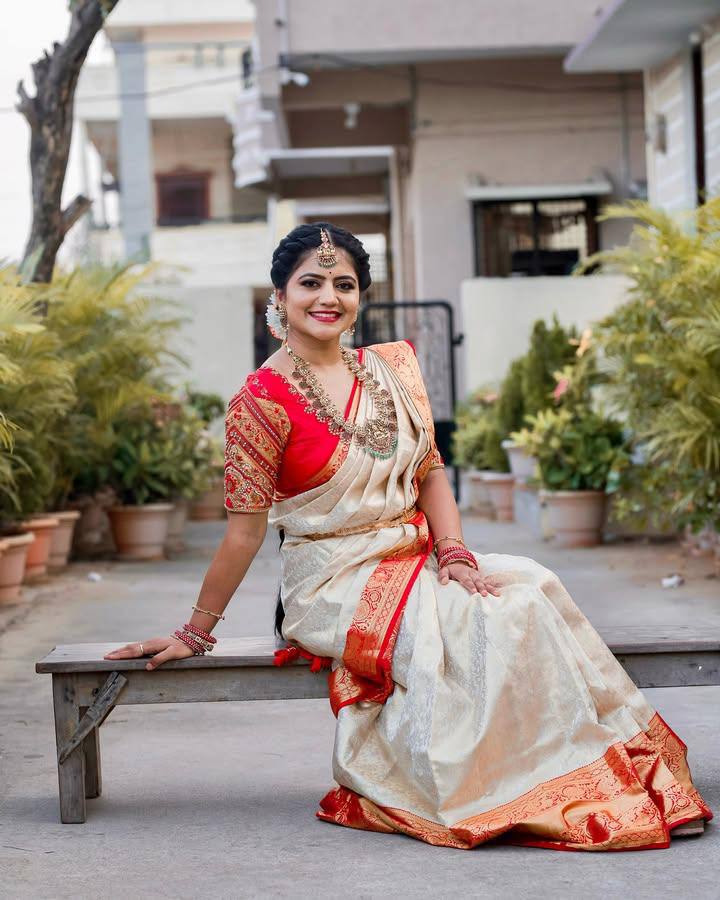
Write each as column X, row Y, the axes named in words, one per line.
column 272, row 317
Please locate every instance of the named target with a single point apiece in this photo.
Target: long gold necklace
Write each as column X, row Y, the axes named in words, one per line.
column 378, row 435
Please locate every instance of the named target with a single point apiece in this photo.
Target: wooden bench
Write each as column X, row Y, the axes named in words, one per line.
column 86, row 688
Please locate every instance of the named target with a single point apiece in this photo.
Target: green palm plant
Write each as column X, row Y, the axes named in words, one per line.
column 36, row 391
column 118, row 340
column 661, row 357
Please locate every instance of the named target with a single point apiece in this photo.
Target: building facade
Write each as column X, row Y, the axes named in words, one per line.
column 458, row 143
column 458, row 136
column 157, row 124
column 677, row 48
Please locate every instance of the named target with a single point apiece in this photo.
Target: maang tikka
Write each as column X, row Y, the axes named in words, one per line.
column 326, row 253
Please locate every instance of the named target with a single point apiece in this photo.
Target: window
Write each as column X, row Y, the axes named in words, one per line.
column 183, row 198
column 533, row 237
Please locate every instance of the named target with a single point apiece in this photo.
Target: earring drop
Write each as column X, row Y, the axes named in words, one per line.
column 276, row 317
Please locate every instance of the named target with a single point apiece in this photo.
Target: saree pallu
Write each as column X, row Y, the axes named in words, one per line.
column 463, row 718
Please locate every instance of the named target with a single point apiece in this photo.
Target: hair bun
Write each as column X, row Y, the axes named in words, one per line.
column 304, row 238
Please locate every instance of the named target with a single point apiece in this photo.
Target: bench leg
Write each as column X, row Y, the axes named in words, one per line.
column 91, row 750
column 71, row 772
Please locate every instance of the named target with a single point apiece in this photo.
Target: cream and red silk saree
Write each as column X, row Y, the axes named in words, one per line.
column 459, row 718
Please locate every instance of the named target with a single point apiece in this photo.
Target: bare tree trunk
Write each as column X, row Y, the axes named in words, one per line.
column 50, row 117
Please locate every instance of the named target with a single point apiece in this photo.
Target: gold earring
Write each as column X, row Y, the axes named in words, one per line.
column 282, row 315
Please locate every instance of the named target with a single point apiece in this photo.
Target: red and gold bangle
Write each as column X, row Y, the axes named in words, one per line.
column 196, row 648
column 193, row 629
column 206, row 645
column 456, row 554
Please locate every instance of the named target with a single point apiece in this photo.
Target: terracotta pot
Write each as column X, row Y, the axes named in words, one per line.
column 499, row 486
column 13, row 553
column 176, row 525
column 210, row 505
column 140, row 532
column 92, row 537
column 522, row 464
column 43, row 528
column 62, row 539
column 479, row 499
column 576, row 517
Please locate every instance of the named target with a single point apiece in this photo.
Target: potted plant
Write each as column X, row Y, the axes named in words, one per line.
column 581, row 455
column 196, row 455
column 476, row 445
column 36, row 392
column 117, row 341
column 662, row 349
column 208, row 502
column 42, row 529
column 142, row 478
column 529, row 385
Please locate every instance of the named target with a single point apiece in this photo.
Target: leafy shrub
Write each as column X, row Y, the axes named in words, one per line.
column 576, row 448
column 661, row 361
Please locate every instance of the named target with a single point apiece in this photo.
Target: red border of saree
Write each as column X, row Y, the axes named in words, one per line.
column 365, row 672
column 629, row 799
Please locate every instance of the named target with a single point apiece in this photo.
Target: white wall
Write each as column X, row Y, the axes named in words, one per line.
column 711, row 91
column 211, row 270
column 376, row 27
column 498, row 315
column 671, row 173
column 218, row 338
column 551, row 128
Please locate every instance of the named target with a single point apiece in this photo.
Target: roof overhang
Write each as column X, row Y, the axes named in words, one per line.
column 495, row 192
column 327, row 207
column 329, row 162
column 639, row 34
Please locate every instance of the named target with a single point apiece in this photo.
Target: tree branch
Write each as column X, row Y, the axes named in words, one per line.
column 50, row 117
column 72, row 212
column 26, row 105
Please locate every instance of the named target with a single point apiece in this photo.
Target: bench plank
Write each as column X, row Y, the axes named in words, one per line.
column 258, row 651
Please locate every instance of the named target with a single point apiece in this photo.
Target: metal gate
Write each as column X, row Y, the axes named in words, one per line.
column 430, row 325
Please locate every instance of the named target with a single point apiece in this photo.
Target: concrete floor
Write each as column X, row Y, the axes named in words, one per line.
column 220, row 798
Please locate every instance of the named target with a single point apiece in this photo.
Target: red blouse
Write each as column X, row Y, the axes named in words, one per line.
column 275, row 447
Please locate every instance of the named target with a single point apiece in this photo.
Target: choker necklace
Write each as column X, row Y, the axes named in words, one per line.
column 378, row 436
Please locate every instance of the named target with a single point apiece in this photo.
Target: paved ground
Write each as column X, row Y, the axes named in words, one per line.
column 220, row 798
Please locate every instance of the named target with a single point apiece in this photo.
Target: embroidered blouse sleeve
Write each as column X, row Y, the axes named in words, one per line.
column 436, row 460
column 256, row 431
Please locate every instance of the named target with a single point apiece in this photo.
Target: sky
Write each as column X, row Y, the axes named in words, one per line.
column 27, row 30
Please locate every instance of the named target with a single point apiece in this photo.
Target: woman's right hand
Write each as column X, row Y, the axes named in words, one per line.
column 161, row 649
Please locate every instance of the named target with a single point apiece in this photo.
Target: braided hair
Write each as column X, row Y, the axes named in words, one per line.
column 303, row 239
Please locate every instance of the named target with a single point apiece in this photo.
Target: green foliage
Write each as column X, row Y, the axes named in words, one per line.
column 510, row 408
column 576, row 448
column 161, row 451
column 528, row 385
column 551, row 349
column 68, row 376
column 117, row 340
column 208, row 406
column 526, row 389
column 36, row 392
column 476, row 442
column 661, row 356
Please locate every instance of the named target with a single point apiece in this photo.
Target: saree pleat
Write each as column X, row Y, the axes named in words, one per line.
column 463, row 719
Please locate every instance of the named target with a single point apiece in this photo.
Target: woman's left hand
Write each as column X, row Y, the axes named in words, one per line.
column 472, row 580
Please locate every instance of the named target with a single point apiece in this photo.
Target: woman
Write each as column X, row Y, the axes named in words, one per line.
column 473, row 698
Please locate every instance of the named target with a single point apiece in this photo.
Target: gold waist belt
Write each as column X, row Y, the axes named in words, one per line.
column 403, row 518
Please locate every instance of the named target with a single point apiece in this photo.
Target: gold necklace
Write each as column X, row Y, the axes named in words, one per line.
column 378, row 436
